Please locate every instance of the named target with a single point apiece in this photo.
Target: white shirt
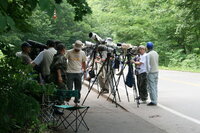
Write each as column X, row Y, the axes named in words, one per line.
column 143, row 66
column 40, row 57
column 45, row 59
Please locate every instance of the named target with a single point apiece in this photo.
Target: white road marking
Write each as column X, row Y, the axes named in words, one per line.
column 180, row 114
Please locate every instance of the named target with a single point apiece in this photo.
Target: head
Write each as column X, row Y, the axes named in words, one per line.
column 142, row 49
column 56, row 42
column 26, row 47
column 149, row 45
column 61, row 48
column 77, row 45
column 50, row 43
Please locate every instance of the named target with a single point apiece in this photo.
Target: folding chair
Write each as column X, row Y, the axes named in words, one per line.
column 73, row 115
column 47, row 110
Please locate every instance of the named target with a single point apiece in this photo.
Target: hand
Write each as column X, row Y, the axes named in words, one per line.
column 60, row 80
column 85, row 75
column 132, row 61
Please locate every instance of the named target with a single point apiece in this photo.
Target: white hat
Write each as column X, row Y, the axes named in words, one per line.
column 78, row 45
column 142, row 47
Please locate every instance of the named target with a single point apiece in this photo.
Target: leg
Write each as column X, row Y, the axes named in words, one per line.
column 152, row 86
column 70, row 80
column 143, row 86
column 78, row 86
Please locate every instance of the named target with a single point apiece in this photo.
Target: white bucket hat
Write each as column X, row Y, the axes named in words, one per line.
column 78, row 45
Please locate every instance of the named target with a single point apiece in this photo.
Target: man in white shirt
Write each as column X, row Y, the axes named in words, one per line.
column 44, row 59
column 142, row 73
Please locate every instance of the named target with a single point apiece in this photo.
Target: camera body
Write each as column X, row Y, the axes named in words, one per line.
column 36, row 48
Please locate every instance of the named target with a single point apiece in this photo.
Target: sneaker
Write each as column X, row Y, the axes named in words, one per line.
column 66, row 103
column 76, row 105
column 143, row 102
column 151, row 104
column 105, row 91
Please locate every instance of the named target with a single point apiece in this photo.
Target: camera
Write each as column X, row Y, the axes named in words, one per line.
column 89, row 44
column 95, row 37
column 105, row 48
column 36, row 48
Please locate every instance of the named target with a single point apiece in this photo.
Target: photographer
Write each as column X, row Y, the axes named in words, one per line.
column 76, row 62
column 24, row 54
column 141, row 69
column 59, row 69
column 152, row 76
column 44, row 59
column 103, row 80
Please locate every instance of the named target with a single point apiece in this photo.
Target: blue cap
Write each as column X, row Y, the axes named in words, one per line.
column 25, row 44
column 149, row 45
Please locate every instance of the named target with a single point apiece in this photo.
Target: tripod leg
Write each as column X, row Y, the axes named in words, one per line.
column 116, row 85
column 136, row 92
column 126, row 88
column 93, row 83
column 118, row 80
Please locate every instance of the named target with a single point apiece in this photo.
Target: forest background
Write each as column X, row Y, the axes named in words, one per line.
column 172, row 25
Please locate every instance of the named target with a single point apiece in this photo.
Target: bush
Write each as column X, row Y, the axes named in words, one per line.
column 19, row 108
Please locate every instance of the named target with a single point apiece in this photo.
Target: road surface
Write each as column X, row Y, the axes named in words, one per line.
column 178, row 110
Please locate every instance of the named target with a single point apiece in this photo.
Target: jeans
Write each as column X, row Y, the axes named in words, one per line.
column 152, row 83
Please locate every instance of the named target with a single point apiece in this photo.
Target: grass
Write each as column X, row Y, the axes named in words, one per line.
column 176, row 68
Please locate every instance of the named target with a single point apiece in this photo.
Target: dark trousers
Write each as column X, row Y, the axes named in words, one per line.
column 74, row 79
column 142, row 85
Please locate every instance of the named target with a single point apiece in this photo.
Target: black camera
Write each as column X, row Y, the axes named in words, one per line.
column 36, row 48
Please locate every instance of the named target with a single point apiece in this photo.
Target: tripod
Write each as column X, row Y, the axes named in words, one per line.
column 132, row 72
column 101, row 69
column 110, row 78
column 121, row 73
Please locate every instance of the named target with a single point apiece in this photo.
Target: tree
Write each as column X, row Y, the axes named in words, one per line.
column 16, row 12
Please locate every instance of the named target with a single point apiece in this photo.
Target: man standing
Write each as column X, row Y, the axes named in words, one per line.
column 152, row 76
column 58, row 70
column 142, row 73
column 76, row 62
column 44, row 59
column 24, row 54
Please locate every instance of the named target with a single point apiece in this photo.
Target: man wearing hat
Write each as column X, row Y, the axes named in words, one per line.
column 141, row 65
column 24, row 54
column 75, row 67
column 152, row 76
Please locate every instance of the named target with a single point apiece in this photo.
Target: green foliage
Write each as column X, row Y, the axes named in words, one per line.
column 173, row 26
column 19, row 107
column 14, row 13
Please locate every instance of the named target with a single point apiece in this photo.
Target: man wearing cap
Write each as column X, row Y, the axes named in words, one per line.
column 24, row 54
column 75, row 67
column 152, row 76
column 142, row 73
column 44, row 59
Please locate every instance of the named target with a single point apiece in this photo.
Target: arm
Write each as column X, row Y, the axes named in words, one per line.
column 136, row 62
column 60, row 80
column 38, row 59
column 84, row 66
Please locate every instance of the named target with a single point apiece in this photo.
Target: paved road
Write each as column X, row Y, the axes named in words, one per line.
column 180, row 91
column 179, row 102
column 104, row 117
column 177, row 111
